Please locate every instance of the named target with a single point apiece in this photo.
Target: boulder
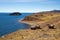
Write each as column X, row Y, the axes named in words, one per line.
column 35, row 27
column 50, row 26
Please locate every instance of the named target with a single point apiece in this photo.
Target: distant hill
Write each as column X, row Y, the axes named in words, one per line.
column 56, row 11
column 39, row 15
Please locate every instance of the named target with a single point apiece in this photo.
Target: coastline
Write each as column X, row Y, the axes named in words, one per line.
column 39, row 34
column 32, row 23
column 26, row 22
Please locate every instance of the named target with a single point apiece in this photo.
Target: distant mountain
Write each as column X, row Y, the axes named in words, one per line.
column 55, row 10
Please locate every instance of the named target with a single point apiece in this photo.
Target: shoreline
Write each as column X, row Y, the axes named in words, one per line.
column 26, row 22
column 31, row 22
column 39, row 34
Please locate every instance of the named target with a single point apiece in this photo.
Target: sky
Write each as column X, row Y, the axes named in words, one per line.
column 29, row 5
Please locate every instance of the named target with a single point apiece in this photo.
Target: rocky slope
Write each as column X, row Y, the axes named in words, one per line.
column 41, row 18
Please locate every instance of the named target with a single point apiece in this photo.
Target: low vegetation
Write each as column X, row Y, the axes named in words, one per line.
column 42, row 19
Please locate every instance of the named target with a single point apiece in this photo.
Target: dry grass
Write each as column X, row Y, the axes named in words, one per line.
column 40, row 34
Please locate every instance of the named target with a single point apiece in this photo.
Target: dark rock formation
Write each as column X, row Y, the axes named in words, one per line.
column 15, row 14
column 38, row 27
column 35, row 27
column 50, row 26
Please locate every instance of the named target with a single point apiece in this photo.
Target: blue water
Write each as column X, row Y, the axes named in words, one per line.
column 10, row 24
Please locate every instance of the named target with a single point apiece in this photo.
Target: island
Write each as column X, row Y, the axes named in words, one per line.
column 44, row 26
column 15, row 14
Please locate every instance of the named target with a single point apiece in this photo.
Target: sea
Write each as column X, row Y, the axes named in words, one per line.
column 9, row 24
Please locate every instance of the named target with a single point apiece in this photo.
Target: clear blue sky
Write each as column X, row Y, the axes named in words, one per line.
column 28, row 5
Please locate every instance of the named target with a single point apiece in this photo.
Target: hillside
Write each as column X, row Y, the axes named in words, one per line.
column 41, row 18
